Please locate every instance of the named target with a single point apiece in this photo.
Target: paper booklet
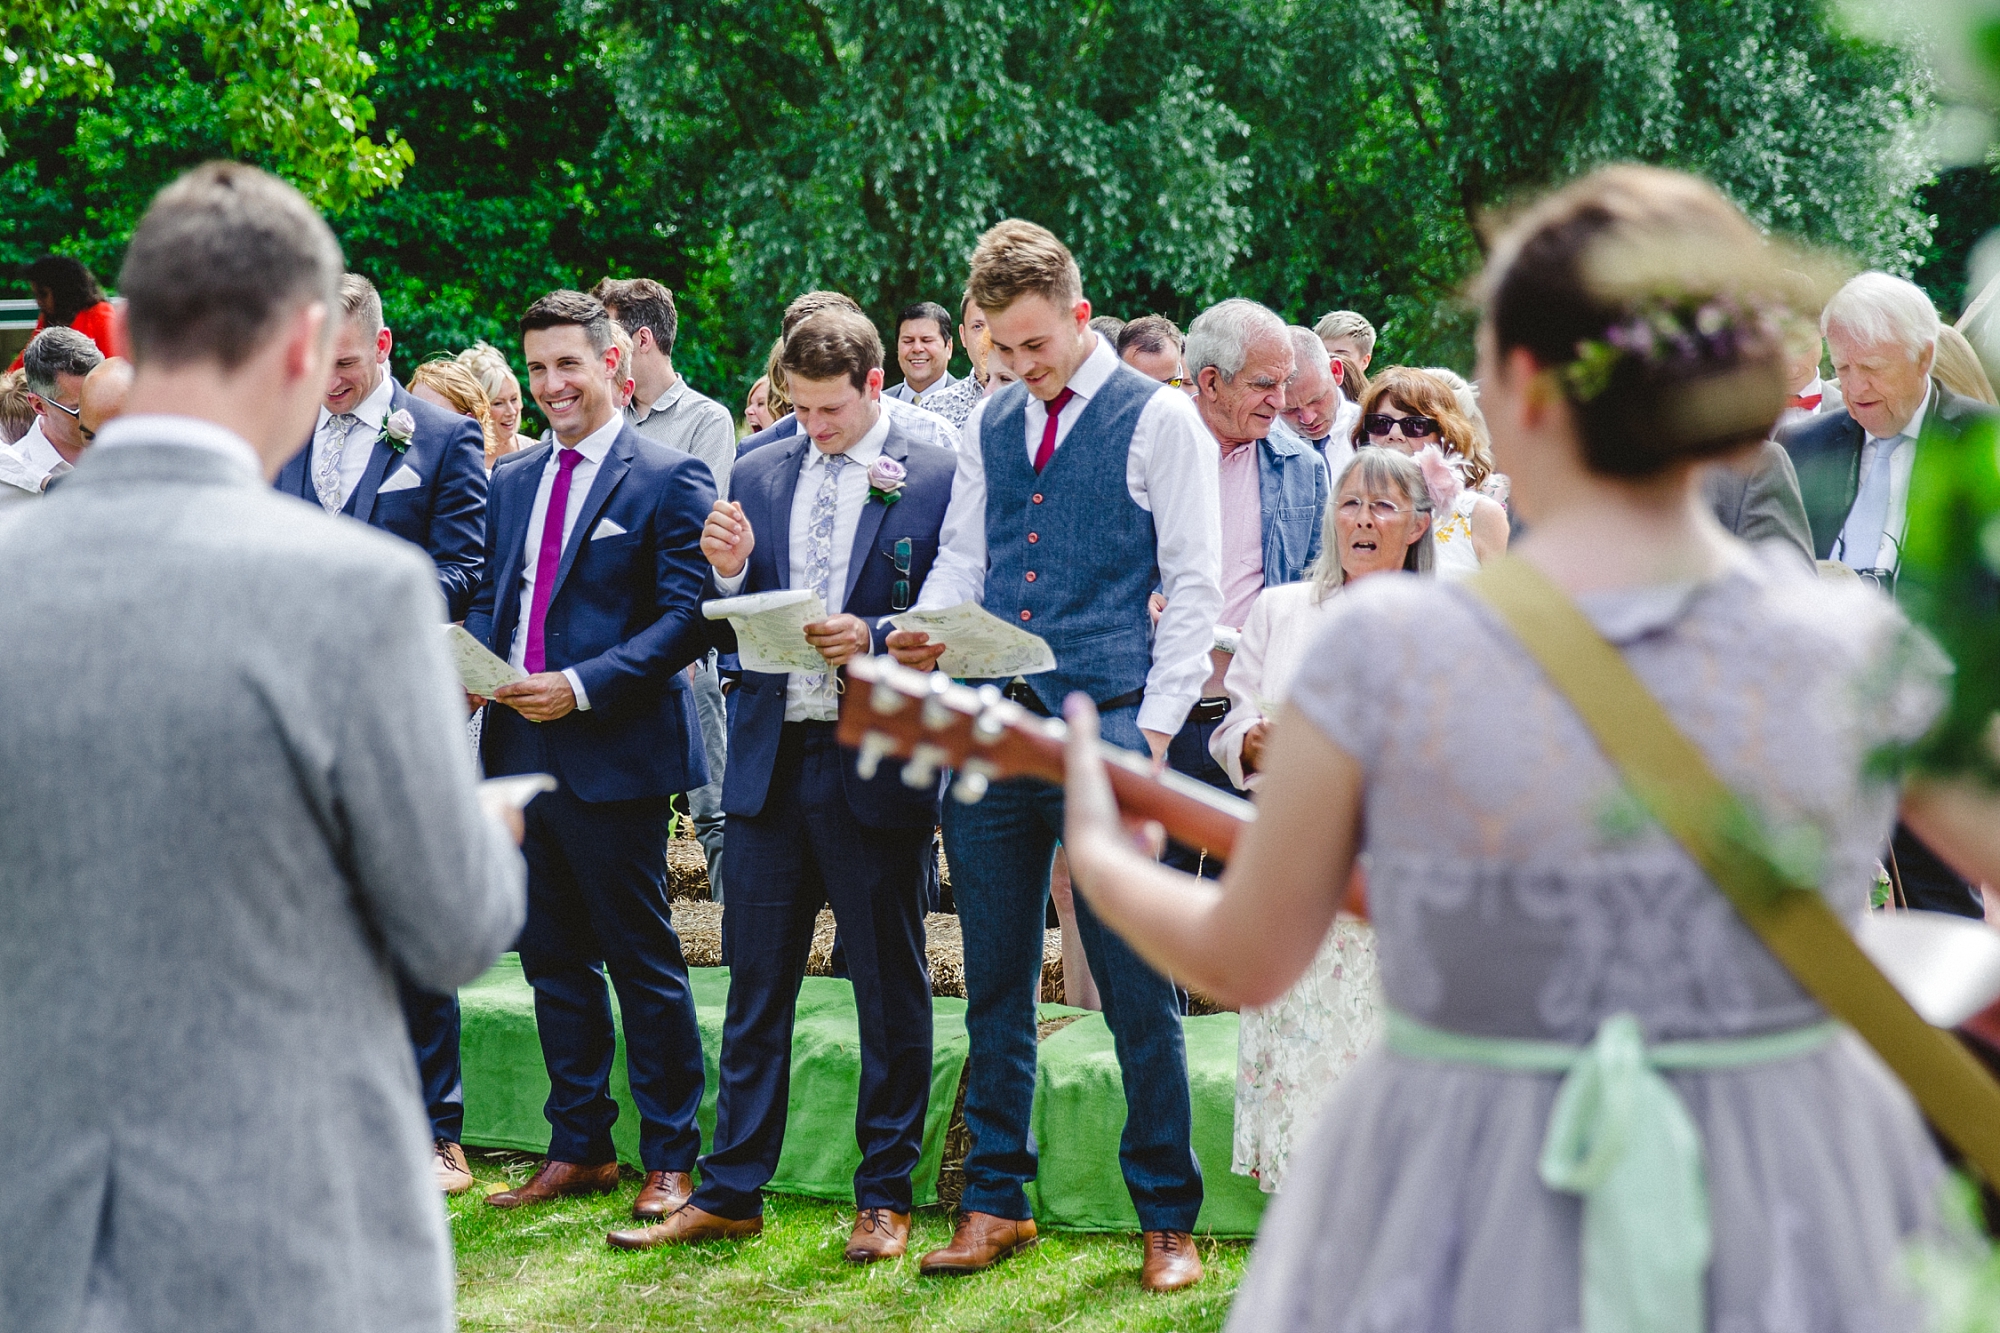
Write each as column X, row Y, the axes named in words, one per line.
column 479, row 670
column 979, row 645
column 519, row 789
column 771, row 628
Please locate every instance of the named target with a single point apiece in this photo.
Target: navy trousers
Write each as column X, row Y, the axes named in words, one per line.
column 1000, row 851
column 433, row 1023
column 807, row 849
column 1188, row 753
column 597, row 902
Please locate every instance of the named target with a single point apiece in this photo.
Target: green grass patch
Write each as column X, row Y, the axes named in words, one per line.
column 549, row 1268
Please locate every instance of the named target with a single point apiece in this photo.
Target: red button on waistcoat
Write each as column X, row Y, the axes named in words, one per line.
column 1027, row 615
column 1031, row 576
column 1034, row 537
column 1038, row 498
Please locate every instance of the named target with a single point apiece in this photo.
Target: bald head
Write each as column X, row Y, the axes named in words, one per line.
column 104, row 390
column 1313, row 400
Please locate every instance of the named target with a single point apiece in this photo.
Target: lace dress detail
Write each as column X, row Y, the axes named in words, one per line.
column 1455, row 557
column 1518, row 891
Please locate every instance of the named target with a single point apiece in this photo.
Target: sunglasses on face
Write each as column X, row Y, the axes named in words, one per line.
column 75, row 413
column 1379, row 424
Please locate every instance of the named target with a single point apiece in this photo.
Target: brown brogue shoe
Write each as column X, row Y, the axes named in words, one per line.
column 980, row 1241
column 663, row 1192
column 1171, row 1261
column 558, row 1180
column 878, row 1234
column 454, row 1176
column 686, row 1225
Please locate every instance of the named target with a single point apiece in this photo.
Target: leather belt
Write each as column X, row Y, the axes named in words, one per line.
column 1208, row 710
column 1018, row 691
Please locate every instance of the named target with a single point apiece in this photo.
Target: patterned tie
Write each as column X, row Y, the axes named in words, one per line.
column 535, row 657
column 1048, row 449
column 326, row 468
column 1861, row 536
column 819, row 563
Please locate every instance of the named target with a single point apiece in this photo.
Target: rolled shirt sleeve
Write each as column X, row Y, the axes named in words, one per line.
column 1175, row 472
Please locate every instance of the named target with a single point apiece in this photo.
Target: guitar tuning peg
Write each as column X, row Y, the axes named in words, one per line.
column 875, row 746
column 974, row 777
column 882, row 696
column 925, row 761
column 989, row 695
column 991, row 724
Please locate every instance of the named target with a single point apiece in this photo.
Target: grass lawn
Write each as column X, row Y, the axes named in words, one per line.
column 549, row 1268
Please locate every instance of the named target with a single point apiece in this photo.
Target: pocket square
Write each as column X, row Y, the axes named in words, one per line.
column 606, row 528
column 405, row 478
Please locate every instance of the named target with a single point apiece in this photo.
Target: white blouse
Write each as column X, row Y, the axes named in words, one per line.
column 1276, row 633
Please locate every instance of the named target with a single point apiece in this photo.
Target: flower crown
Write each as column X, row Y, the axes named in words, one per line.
column 1680, row 334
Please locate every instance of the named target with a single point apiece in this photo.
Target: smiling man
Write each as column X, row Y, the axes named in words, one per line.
column 594, row 548
column 923, row 350
column 1095, row 485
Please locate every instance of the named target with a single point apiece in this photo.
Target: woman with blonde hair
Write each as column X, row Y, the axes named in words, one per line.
column 1414, row 412
column 447, row 384
column 1957, row 368
column 503, row 397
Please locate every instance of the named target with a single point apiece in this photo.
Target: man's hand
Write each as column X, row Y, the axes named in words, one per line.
column 913, row 648
column 839, row 638
column 1253, row 746
column 542, row 697
column 1156, row 606
column 1157, row 740
column 726, row 539
column 473, row 703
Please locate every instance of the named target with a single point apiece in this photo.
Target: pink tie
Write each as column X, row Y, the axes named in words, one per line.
column 547, row 560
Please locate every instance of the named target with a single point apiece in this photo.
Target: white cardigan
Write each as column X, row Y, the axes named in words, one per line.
column 1282, row 624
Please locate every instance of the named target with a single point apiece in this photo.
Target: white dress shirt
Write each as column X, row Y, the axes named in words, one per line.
column 31, row 462
column 1173, row 471
column 1901, row 463
column 371, row 411
column 593, row 447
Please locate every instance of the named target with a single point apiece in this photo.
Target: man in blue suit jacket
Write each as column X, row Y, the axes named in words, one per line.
column 855, row 509
column 427, row 487
column 594, row 547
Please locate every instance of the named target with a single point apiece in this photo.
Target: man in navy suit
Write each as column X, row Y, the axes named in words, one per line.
column 855, row 509
column 428, row 487
column 594, row 546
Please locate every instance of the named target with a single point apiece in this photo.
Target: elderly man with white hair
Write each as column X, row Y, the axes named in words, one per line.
column 1315, row 404
column 1854, row 469
column 1274, row 491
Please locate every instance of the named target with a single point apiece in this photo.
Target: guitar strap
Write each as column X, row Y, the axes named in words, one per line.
column 1673, row 780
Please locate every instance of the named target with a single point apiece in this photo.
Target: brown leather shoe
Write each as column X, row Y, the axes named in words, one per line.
column 878, row 1234
column 663, row 1192
column 686, row 1225
column 980, row 1241
column 1171, row 1261
column 453, row 1175
column 558, row 1180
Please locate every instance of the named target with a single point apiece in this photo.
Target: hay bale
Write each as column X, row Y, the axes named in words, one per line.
column 687, row 870
column 699, row 924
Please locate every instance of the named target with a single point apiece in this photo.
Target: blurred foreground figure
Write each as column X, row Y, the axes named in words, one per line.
column 209, row 1104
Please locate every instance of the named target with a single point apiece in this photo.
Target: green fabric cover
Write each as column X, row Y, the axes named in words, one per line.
column 1080, row 1113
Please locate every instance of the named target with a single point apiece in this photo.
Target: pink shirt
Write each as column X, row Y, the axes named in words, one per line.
column 1242, row 534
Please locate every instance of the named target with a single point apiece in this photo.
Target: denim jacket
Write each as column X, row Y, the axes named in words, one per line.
column 1293, row 487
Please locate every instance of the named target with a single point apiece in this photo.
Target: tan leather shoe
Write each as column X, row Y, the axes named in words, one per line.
column 686, row 1225
column 878, row 1234
column 663, row 1192
column 1171, row 1262
column 558, row 1180
column 454, row 1176
column 980, row 1241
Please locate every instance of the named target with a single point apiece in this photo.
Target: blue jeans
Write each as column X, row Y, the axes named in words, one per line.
column 1000, row 852
column 705, row 803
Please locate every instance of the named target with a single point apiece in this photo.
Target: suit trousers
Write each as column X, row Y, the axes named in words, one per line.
column 597, row 902
column 1000, row 851
column 1188, row 753
column 705, row 803
column 807, row 849
column 432, row 1019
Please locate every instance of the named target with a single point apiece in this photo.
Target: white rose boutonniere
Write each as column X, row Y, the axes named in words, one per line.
column 885, row 480
column 399, row 429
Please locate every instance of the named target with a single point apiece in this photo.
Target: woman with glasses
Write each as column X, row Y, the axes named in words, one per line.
column 1291, row 1052
column 1411, row 410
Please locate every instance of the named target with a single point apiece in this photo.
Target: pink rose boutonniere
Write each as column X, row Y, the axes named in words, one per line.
column 399, row 429
column 885, row 480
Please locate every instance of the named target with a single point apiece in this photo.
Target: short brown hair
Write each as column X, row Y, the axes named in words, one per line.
column 1016, row 259
column 565, row 306
column 641, row 303
column 17, row 414
column 1427, row 395
column 808, row 304
column 831, row 344
column 221, row 256
column 360, row 302
column 1151, row 334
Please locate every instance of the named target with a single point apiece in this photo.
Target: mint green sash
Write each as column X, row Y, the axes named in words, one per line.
column 1619, row 1136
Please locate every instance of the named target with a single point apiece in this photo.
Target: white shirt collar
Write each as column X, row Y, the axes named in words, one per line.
column 865, row 451
column 37, row 451
column 1817, row 389
column 372, row 410
column 595, row 445
column 1916, row 426
column 1095, row 370
column 187, row 432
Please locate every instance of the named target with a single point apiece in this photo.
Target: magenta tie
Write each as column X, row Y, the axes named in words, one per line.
column 548, row 560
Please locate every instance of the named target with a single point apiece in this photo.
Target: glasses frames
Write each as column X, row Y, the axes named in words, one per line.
column 899, row 592
column 1383, row 511
column 1379, row 424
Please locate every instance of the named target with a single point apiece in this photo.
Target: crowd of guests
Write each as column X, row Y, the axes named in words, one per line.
column 1177, row 513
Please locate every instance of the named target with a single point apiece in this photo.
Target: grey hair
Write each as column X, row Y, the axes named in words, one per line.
column 1222, row 334
column 1306, row 345
column 1347, row 324
column 1881, row 308
column 1378, row 470
column 57, row 351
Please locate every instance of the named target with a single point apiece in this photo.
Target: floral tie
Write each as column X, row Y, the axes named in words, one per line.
column 819, row 563
column 326, row 468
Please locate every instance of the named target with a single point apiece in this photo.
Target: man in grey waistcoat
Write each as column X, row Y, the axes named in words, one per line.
column 210, row 1109
column 1096, row 484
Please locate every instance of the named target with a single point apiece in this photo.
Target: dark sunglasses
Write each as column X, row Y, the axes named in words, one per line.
column 899, row 593
column 1414, row 428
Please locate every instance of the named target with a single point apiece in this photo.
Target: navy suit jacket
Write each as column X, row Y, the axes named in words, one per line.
column 625, row 615
column 445, row 512
column 784, row 428
column 764, row 483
